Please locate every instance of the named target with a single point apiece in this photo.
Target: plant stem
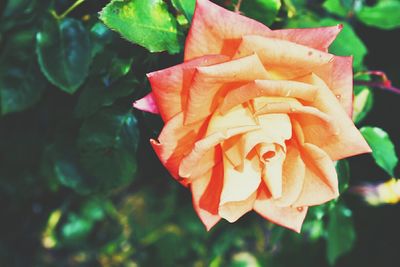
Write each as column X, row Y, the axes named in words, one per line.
column 384, row 84
column 380, row 85
column 237, row 6
column 69, row 10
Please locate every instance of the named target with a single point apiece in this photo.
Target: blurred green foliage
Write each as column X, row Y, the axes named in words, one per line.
column 79, row 183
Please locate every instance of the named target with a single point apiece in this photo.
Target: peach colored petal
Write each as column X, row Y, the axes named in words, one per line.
column 205, row 90
column 288, row 58
column 170, row 85
column 338, row 75
column 267, row 88
column 212, row 25
column 318, row 38
column 147, row 103
column 272, row 173
column 292, row 178
column 175, row 141
column 296, row 108
column 239, row 189
column 202, row 146
column 321, row 182
column 275, row 129
column 346, row 140
column 205, row 198
column 288, row 217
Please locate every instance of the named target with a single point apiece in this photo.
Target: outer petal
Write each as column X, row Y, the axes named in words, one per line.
column 318, row 38
column 288, row 217
column 321, row 182
column 212, row 25
column 283, row 57
column 206, row 191
column 175, row 141
column 205, row 90
column 147, row 104
column 170, row 85
column 347, row 140
column 338, row 75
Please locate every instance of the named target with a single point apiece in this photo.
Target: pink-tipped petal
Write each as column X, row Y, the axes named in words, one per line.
column 170, row 86
column 213, row 25
column 147, row 104
column 318, row 38
column 346, row 140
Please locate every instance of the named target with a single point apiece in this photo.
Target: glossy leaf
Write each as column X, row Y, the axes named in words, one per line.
column 363, row 102
column 146, row 23
column 385, row 14
column 107, row 144
column 338, row 7
column 262, row 10
column 341, row 233
column 186, row 7
column 382, row 148
column 96, row 95
column 343, row 171
column 64, row 53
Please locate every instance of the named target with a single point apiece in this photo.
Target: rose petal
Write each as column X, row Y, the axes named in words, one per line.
column 208, row 81
column 286, row 58
column 202, row 146
column 292, row 177
column 338, row 75
column 272, row 173
column 147, row 104
column 212, row 25
column 170, row 85
column 267, row 88
column 321, row 182
column 288, row 217
column 318, row 38
column 205, row 195
column 239, row 189
column 346, row 140
column 175, row 141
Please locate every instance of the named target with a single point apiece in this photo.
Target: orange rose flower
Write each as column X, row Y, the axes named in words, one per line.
column 254, row 118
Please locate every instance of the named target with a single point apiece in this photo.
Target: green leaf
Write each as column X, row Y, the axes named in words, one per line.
column 363, row 103
column 186, row 7
column 93, row 210
column 384, row 15
column 336, row 7
column 341, row 234
column 21, row 83
column 261, row 10
column 383, row 150
column 146, row 23
column 76, row 228
column 64, row 53
column 96, row 95
column 100, row 36
column 343, row 171
column 346, row 44
column 107, row 144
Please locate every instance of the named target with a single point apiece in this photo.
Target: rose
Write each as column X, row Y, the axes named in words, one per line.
column 254, row 118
